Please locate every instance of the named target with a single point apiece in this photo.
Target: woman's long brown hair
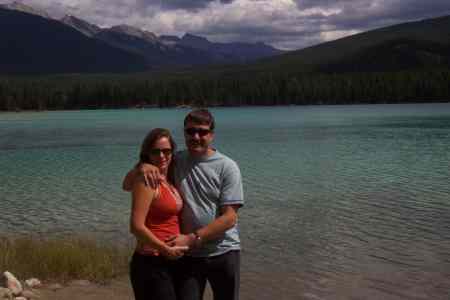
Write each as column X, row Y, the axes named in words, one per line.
column 149, row 142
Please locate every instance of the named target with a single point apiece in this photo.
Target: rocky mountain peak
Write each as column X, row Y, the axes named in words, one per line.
column 19, row 6
column 81, row 25
column 169, row 40
column 195, row 41
column 136, row 32
column 192, row 37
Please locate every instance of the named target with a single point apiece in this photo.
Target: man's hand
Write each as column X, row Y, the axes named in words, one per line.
column 174, row 252
column 183, row 240
column 152, row 176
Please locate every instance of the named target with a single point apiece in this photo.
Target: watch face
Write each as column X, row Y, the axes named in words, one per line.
column 198, row 240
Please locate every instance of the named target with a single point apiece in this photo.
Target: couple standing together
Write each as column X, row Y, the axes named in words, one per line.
column 184, row 216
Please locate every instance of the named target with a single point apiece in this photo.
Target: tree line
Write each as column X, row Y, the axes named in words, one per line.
column 256, row 88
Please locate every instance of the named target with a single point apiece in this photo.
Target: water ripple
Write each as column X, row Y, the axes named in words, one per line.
column 353, row 205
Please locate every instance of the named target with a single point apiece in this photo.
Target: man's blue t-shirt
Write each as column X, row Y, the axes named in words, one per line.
column 206, row 184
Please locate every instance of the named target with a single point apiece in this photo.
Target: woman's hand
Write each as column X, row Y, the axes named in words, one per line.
column 174, row 252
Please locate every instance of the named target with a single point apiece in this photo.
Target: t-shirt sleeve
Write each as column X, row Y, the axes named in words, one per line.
column 232, row 189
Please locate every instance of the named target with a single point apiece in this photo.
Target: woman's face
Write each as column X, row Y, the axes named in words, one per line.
column 161, row 154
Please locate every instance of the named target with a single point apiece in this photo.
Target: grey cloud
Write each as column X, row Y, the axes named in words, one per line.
column 190, row 5
column 302, row 31
column 307, row 4
column 363, row 15
column 293, row 29
column 288, row 36
column 355, row 15
column 414, row 9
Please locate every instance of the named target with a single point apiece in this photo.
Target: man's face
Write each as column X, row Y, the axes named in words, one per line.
column 198, row 138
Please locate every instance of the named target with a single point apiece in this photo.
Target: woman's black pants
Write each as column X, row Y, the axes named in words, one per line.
column 152, row 277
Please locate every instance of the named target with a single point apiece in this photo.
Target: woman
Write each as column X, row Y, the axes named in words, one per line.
column 154, row 218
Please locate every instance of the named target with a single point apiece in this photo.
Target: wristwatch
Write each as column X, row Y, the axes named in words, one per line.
column 197, row 240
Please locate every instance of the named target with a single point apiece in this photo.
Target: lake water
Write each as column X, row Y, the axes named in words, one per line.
column 342, row 202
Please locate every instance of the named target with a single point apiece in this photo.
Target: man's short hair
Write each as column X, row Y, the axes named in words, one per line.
column 200, row 116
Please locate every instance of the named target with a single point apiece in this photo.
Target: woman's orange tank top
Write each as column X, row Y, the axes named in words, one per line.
column 162, row 219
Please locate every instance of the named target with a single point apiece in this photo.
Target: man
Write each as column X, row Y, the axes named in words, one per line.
column 211, row 186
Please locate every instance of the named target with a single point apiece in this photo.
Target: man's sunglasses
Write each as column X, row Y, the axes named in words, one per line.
column 201, row 131
column 157, row 152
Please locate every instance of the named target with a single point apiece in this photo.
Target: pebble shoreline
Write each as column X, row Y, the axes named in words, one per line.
column 13, row 289
column 118, row 288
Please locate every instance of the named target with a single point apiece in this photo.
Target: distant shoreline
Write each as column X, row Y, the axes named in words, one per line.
column 223, row 90
column 217, row 106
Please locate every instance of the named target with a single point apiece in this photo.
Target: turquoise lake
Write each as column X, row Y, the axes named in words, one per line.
column 342, row 202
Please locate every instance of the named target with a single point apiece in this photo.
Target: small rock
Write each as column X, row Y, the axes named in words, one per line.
column 80, row 282
column 33, row 282
column 5, row 293
column 30, row 294
column 310, row 296
column 54, row 286
column 13, row 284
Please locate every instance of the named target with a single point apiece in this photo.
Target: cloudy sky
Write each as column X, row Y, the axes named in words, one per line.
column 286, row 24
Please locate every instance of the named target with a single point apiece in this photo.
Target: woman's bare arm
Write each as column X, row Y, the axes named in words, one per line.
column 142, row 197
column 130, row 178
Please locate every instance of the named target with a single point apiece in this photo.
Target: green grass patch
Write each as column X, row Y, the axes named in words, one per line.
column 62, row 259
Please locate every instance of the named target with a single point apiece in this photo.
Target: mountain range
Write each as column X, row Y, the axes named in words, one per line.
column 36, row 43
column 33, row 42
column 413, row 45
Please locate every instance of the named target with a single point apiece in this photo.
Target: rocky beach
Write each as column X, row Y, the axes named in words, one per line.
column 12, row 288
column 15, row 289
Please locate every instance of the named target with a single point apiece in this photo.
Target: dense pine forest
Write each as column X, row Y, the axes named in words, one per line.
column 211, row 89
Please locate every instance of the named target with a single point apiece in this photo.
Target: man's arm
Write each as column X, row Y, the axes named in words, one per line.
column 213, row 230
column 219, row 226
